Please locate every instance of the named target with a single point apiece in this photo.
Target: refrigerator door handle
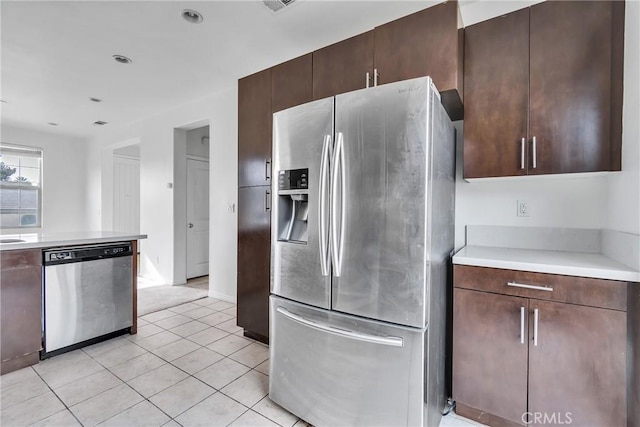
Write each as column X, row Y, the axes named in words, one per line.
column 324, row 177
column 336, row 167
column 343, row 201
column 390, row 341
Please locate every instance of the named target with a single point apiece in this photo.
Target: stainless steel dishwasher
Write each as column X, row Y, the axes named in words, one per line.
column 87, row 295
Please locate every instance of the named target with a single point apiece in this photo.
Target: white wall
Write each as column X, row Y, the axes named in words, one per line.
column 623, row 204
column 64, row 186
column 610, row 201
column 156, row 137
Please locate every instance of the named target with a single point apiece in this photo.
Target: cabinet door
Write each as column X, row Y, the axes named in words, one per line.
column 20, row 326
column 254, row 252
column 496, row 73
column 490, row 353
column 343, row 67
column 291, row 83
column 577, row 366
column 426, row 43
column 254, row 129
column 570, row 100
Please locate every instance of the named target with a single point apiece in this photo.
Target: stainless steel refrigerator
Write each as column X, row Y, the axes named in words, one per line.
column 362, row 231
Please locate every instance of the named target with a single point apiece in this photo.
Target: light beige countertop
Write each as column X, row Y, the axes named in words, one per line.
column 547, row 261
column 595, row 253
column 50, row 240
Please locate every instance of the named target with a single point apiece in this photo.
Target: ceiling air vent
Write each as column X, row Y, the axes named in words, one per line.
column 276, row 5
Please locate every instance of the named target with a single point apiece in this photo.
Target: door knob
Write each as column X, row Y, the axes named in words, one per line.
column 190, row 225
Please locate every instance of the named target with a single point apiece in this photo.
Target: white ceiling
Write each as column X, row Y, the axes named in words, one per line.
column 57, row 54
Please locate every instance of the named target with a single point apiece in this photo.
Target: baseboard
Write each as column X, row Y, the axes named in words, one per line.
column 223, row 297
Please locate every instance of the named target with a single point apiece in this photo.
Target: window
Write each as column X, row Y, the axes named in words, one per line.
column 20, row 186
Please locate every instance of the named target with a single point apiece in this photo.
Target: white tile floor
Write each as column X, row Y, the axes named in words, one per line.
column 188, row 365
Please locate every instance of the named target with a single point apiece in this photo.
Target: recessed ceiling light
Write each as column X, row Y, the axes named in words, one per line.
column 52, row 123
column 122, row 59
column 95, row 99
column 99, row 123
column 192, row 16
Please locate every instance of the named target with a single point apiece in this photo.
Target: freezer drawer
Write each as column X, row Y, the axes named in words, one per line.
column 333, row 369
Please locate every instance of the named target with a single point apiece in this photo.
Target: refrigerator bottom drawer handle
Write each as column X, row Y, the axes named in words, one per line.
column 390, row 341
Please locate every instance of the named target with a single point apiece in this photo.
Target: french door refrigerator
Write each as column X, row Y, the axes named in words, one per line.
column 362, row 231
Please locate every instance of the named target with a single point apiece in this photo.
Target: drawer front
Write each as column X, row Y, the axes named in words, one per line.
column 327, row 369
column 600, row 293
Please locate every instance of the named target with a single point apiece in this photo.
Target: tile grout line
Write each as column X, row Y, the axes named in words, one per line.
column 217, row 390
column 57, row 397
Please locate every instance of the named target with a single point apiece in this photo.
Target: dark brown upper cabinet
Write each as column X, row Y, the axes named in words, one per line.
column 291, row 83
column 343, row 66
column 543, row 90
column 496, row 85
column 571, row 87
column 254, row 129
column 425, row 43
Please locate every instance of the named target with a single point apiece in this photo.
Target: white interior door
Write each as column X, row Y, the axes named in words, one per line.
column 197, row 218
column 126, row 194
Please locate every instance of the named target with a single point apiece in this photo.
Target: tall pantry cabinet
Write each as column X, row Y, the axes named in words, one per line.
column 259, row 96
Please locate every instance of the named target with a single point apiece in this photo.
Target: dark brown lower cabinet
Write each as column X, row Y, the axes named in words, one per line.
column 523, row 355
column 20, row 308
column 578, row 364
column 254, row 253
column 490, row 355
column 633, row 356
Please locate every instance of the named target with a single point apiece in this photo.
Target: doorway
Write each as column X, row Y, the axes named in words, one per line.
column 191, row 203
column 197, row 217
column 126, row 189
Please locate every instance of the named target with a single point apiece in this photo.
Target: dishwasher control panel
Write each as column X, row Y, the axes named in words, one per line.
column 86, row 253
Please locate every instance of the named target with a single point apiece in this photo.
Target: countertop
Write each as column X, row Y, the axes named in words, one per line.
column 50, row 240
column 567, row 263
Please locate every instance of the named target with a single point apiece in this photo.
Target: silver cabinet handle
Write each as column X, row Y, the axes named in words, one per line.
column 374, row 339
column 190, row 225
column 368, row 80
column 324, row 176
column 535, row 288
column 336, row 253
column 521, row 325
column 267, row 200
column 536, row 317
column 375, row 77
column 267, row 169
column 522, row 144
column 535, row 153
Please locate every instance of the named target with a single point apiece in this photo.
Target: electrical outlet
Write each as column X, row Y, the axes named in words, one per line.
column 523, row 208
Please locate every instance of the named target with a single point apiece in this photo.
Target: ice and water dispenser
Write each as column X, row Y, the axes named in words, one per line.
column 293, row 205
